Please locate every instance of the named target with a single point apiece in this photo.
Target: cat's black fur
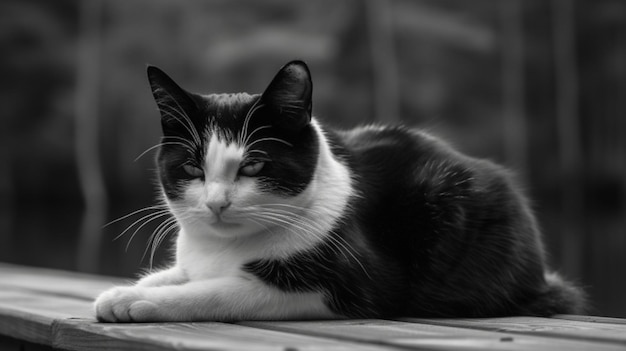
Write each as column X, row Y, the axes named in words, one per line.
column 430, row 232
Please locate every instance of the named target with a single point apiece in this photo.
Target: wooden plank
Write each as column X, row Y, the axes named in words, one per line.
column 592, row 319
column 560, row 328
column 62, row 283
column 426, row 336
column 29, row 316
column 88, row 335
column 68, row 323
column 55, row 308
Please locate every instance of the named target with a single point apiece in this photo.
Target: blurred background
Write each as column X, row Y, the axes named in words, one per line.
column 537, row 85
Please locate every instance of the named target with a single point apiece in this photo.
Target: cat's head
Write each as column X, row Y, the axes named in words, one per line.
column 232, row 165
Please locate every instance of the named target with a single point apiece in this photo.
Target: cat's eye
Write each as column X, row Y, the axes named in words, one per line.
column 251, row 169
column 193, row 170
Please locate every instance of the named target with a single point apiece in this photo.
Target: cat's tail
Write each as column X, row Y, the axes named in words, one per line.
column 558, row 297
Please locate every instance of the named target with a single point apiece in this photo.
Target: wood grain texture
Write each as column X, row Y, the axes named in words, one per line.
column 29, row 315
column 592, row 319
column 426, row 336
column 547, row 327
column 89, row 335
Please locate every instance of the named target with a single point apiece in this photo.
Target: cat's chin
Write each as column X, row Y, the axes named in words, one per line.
column 225, row 229
column 232, row 231
column 220, row 225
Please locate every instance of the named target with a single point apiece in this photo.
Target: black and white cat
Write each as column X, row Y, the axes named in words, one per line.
column 281, row 217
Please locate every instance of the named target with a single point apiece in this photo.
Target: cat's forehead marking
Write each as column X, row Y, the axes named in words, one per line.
column 222, row 159
column 225, row 113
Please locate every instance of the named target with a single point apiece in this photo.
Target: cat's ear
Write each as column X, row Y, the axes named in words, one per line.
column 288, row 97
column 175, row 104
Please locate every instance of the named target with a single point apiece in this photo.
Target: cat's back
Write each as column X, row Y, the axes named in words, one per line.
column 399, row 155
column 416, row 187
column 409, row 178
column 381, row 147
column 401, row 176
column 424, row 204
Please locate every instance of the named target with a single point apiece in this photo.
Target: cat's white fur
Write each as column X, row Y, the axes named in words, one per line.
column 206, row 281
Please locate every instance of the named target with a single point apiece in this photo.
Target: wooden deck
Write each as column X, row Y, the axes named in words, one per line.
column 43, row 309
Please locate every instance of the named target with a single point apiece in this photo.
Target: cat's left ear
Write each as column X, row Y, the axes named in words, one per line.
column 288, row 97
column 175, row 104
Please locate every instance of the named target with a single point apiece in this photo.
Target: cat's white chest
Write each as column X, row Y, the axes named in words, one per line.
column 202, row 258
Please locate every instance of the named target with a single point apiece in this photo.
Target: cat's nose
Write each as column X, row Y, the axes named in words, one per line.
column 217, row 207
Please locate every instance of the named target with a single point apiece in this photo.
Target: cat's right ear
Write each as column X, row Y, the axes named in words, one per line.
column 175, row 104
column 288, row 96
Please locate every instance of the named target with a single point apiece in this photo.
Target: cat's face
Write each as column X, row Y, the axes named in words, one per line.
column 232, row 165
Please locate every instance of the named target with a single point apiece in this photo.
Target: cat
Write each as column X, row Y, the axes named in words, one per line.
column 281, row 217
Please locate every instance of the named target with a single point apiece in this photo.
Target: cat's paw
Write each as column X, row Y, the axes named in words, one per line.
column 125, row 304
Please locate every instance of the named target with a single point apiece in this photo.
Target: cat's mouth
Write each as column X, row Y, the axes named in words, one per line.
column 221, row 224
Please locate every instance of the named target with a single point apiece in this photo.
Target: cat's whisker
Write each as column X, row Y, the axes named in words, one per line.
column 247, row 140
column 270, row 139
column 165, row 229
column 283, row 205
column 351, row 251
column 149, row 217
column 191, row 129
column 305, row 234
column 183, row 114
column 285, row 224
column 303, row 209
column 260, row 224
column 162, row 144
column 291, row 222
column 143, row 225
column 160, row 227
column 294, row 216
column 289, row 207
column 251, row 111
column 186, row 141
column 248, row 152
column 151, row 239
column 164, row 233
column 337, row 240
column 149, row 208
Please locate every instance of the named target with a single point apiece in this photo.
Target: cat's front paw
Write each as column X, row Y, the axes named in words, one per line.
column 125, row 304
